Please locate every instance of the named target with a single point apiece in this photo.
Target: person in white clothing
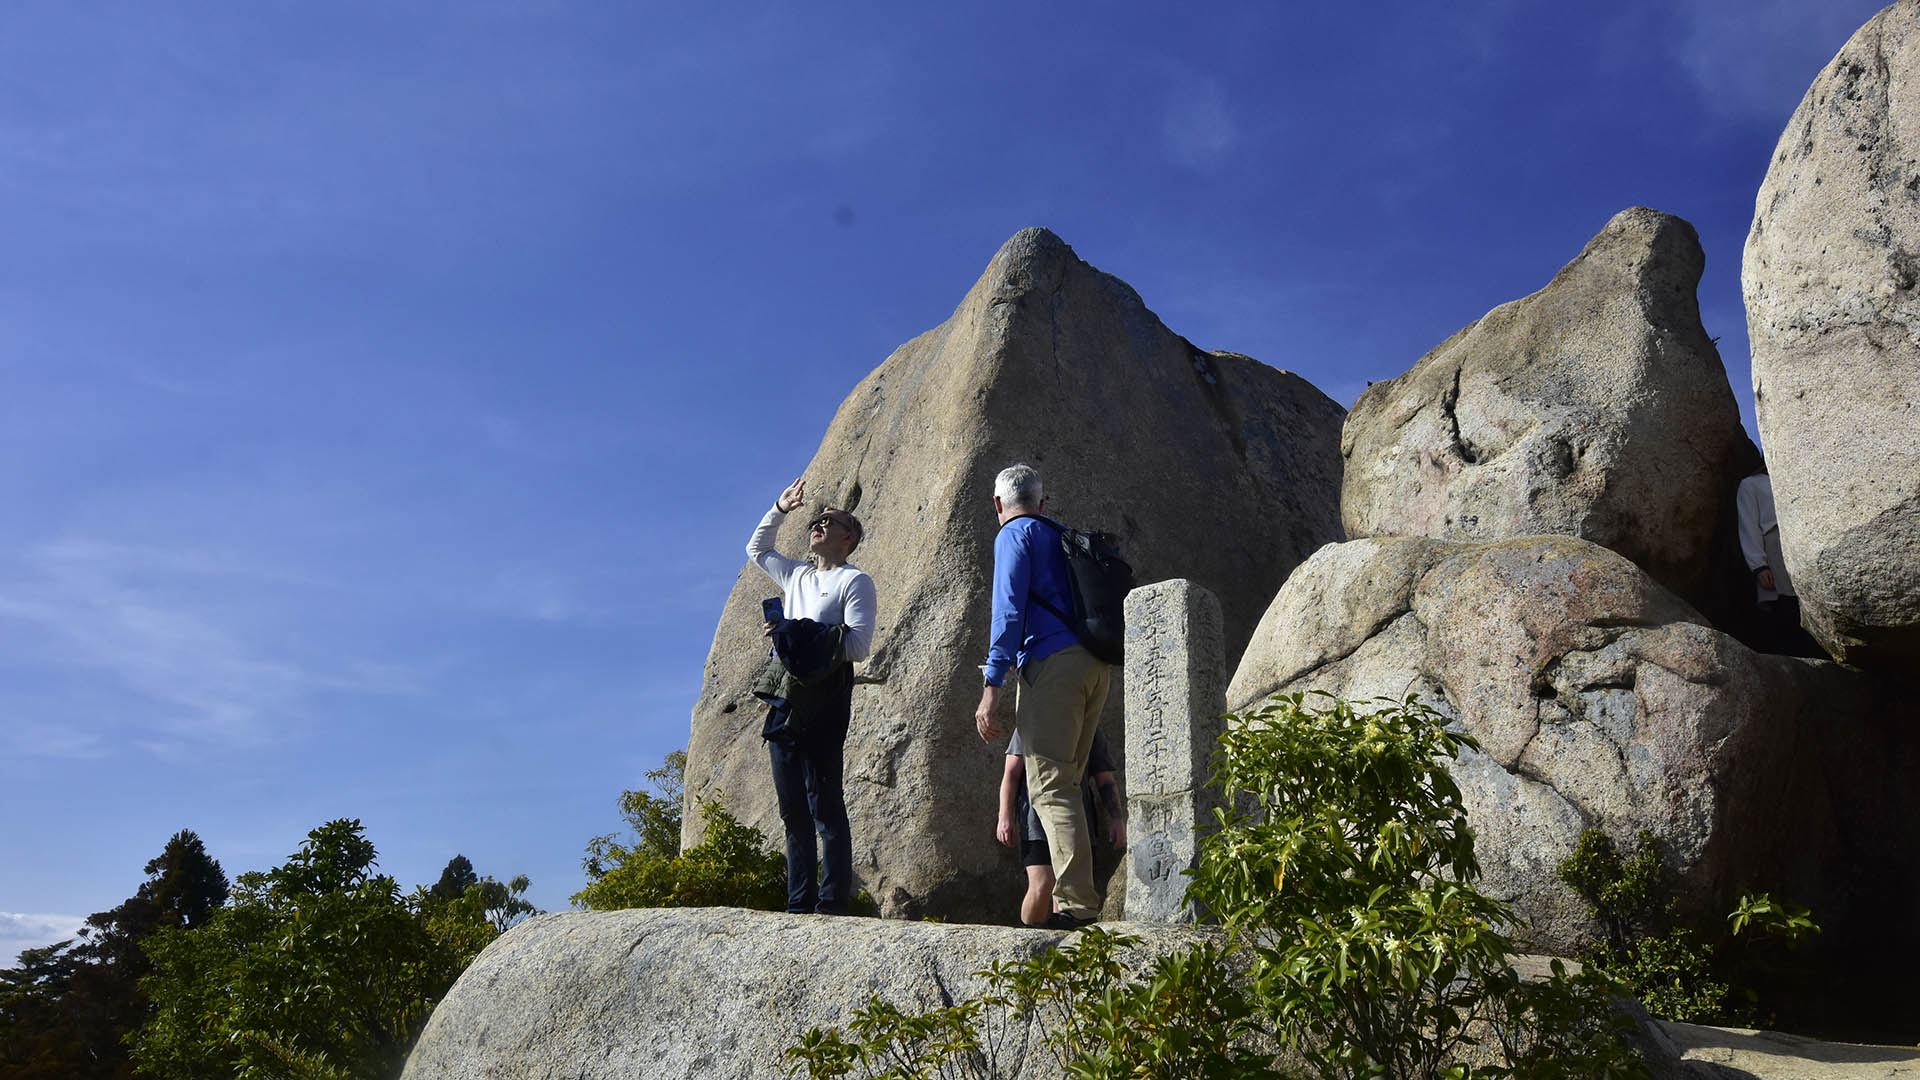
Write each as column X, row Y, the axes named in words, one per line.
column 1772, row 588
column 807, row 762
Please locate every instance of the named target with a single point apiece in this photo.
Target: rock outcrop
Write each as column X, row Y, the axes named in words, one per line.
column 1596, row 407
column 1694, row 1052
column 720, row 994
column 708, row 993
column 1207, row 466
column 1600, row 699
column 1832, row 282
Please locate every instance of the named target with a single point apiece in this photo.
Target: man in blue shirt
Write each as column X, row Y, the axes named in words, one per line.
column 1063, row 686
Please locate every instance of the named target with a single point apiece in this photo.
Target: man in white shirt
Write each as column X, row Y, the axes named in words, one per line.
column 1773, row 591
column 807, row 763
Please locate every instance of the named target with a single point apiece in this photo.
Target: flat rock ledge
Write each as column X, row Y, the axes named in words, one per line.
column 1694, row 1052
column 721, row 992
column 706, row 992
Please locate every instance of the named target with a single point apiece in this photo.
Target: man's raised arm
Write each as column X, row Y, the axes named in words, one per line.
column 760, row 545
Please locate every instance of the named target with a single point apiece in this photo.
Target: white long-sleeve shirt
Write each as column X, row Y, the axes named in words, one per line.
column 843, row 595
column 1760, row 534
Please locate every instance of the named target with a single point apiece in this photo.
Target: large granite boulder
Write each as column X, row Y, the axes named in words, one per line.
column 1600, row 699
column 709, row 993
column 721, row 994
column 1596, row 407
column 1832, row 281
column 1206, row 466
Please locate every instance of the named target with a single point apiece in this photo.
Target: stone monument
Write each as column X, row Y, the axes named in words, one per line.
column 1176, row 684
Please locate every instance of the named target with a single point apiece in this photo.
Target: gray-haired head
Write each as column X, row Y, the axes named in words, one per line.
column 1018, row 487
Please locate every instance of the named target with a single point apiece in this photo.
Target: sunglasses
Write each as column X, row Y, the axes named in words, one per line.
column 822, row 522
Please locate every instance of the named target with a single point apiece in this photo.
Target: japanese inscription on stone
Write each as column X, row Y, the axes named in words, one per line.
column 1175, row 693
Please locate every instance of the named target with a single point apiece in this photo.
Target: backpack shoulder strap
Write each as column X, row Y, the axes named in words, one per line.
column 1033, row 593
column 1061, row 532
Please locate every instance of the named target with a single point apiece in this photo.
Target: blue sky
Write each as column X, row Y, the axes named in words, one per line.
column 389, row 389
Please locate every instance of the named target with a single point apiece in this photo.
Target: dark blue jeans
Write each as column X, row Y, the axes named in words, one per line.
column 807, row 778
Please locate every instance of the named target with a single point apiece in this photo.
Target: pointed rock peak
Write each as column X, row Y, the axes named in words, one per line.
column 1033, row 260
column 1596, row 407
column 1654, row 240
column 1034, row 242
column 1656, row 227
column 1036, row 261
column 1049, row 361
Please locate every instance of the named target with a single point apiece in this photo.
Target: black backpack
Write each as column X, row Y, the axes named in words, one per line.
column 1100, row 581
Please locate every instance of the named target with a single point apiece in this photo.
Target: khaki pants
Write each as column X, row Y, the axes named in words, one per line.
column 1056, row 713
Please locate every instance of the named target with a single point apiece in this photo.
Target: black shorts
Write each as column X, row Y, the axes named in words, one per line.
column 1035, row 853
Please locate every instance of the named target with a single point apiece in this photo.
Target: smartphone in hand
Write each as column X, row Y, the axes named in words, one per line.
column 770, row 608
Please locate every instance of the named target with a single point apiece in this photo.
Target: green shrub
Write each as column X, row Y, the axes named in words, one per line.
column 732, row 866
column 1356, row 941
column 1347, row 867
column 319, row 969
column 1183, row 1018
column 1700, row 975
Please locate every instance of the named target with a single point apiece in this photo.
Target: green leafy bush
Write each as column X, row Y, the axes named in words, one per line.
column 1183, row 1018
column 732, row 866
column 317, row 969
column 1356, row 943
column 67, row 1010
column 1347, row 867
column 1679, row 972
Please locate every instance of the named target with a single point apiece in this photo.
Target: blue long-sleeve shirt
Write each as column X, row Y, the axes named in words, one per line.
column 1027, row 558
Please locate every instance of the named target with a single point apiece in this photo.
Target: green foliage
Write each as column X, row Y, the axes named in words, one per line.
column 507, row 904
column 38, row 1038
column 732, row 866
column 454, row 879
column 653, row 817
column 1775, row 919
column 1626, row 895
column 1183, row 1018
column 1569, row 1030
column 1692, row 974
column 657, row 820
column 1357, row 943
column 66, row 1011
column 1188, row 1017
column 469, row 922
column 1347, row 867
column 318, row 968
column 889, row 1043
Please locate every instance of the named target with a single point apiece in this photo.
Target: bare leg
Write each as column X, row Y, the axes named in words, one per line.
column 1038, row 903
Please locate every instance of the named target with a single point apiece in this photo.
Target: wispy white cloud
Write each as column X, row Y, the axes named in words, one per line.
column 1755, row 58
column 537, row 594
column 1197, row 125
column 527, row 438
column 158, row 632
column 19, row 932
column 31, row 738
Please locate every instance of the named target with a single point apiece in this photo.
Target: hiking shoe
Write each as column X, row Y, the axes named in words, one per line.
column 1063, row 920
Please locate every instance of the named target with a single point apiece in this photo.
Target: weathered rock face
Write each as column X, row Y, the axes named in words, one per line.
column 706, row 993
column 718, row 994
column 1599, row 699
column 1832, row 281
column 1206, row 466
column 1597, row 408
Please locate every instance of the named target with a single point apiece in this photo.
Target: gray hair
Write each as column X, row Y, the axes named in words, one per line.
column 1019, row 486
